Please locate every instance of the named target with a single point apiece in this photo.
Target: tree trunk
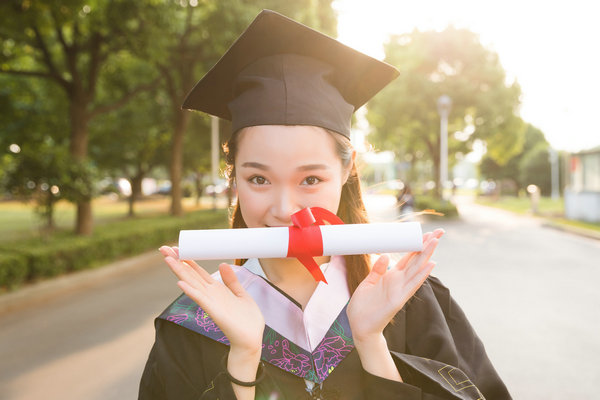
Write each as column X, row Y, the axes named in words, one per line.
column 83, row 221
column 199, row 188
column 136, row 192
column 176, row 168
column 78, row 149
column 50, row 225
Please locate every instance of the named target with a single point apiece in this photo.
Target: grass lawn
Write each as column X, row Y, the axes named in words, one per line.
column 552, row 210
column 522, row 205
column 18, row 220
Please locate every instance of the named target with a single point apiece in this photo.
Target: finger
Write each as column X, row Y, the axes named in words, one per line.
column 411, row 259
column 167, row 251
column 174, row 253
column 200, row 271
column 230, row 280
column 378, row 270
column 409, row 256
column 426, row 236
column 417, row 280
column 439, row 232
column 400, row 265
column 427, row 251
column 381, row 264
column 195, row 294
column 418, row 262
column 184, row 273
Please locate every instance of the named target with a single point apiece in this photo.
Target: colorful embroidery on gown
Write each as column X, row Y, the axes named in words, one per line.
column 277, row 350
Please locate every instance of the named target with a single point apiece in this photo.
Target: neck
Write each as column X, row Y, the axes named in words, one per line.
column 291, row 276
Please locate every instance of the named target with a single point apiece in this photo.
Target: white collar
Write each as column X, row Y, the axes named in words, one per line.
column 306, row 328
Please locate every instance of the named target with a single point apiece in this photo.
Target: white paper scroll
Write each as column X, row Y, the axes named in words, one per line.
column 347, row 239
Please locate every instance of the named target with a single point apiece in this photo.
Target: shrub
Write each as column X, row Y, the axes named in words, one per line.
column 425, row 202
column 36, row 259
column 13, row 270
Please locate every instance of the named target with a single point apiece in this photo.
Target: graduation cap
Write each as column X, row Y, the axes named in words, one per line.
column 280, row 72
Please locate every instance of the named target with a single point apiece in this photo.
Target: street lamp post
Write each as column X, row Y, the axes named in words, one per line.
column 444, row 104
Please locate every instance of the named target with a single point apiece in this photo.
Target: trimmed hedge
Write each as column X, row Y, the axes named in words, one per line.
column 13, row 270
column 425, row 202
column 35, row 259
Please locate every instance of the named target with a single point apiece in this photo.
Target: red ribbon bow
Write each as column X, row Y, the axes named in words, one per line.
column 306, row 241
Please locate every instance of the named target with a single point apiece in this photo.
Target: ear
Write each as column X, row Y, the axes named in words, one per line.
column 349, row 167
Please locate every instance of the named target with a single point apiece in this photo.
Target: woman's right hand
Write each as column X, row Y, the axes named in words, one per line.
column 228, row 304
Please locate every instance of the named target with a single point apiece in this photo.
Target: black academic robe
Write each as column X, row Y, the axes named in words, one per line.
column 437, row 352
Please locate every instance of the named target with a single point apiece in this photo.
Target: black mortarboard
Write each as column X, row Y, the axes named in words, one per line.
column 280, row 72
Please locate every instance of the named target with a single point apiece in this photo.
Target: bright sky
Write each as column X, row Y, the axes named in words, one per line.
column 551, row 47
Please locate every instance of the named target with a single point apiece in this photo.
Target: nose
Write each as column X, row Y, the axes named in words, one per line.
column 284, row 205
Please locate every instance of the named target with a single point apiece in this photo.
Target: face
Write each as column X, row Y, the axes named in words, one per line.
column 283, row 169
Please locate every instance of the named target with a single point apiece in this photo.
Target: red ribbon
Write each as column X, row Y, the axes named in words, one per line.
column 306, row 241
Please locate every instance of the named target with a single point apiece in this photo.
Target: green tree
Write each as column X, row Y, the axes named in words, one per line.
column 196, row 152
column 189, row 38
column 132, row 141
column 453, row 62
column 37, row 165
column 70, row 45
column 512, row 171
column 535, row 168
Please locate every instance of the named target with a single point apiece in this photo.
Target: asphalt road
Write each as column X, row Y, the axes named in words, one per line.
column 89, row 343
column 529, row 291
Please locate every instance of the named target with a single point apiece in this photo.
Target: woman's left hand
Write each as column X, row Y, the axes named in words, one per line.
column 384, row 292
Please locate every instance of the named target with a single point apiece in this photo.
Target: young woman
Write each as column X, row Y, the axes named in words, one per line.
column 266, row 329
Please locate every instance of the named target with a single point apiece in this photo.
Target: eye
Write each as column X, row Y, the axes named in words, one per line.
column 311, row 180
column 258, row 180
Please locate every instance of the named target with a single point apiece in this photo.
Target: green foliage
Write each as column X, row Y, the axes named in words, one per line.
column 452, row 62
column 535, row 168
column 45, row 171
column 30, row 121
column 32, row 260
column 426, row 202
column 69, row 69
column 133, row 140
column 13, row 270
column 516, row 170
column 83, row 49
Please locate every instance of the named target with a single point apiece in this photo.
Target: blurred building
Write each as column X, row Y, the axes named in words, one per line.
column 582, row 193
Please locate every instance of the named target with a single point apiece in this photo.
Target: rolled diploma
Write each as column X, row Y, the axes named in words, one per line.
column 347, row 239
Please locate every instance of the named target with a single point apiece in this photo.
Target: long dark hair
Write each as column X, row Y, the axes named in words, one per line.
column 351, row 210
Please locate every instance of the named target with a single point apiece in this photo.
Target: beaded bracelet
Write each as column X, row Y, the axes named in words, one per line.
column 260, row 374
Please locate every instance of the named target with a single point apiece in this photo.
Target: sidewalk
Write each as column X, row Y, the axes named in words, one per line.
column 546, row 221
column 589, row 233
column 39, row 292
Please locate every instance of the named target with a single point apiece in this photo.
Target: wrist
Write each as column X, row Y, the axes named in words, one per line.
column 243, row 363
column 260, row 374
column 371, row 342
column 375, row 357
column 245, row 352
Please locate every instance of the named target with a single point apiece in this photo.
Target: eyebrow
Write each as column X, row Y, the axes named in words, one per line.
column 308, row 167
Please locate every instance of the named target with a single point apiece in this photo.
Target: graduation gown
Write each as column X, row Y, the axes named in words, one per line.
column 435, row 349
